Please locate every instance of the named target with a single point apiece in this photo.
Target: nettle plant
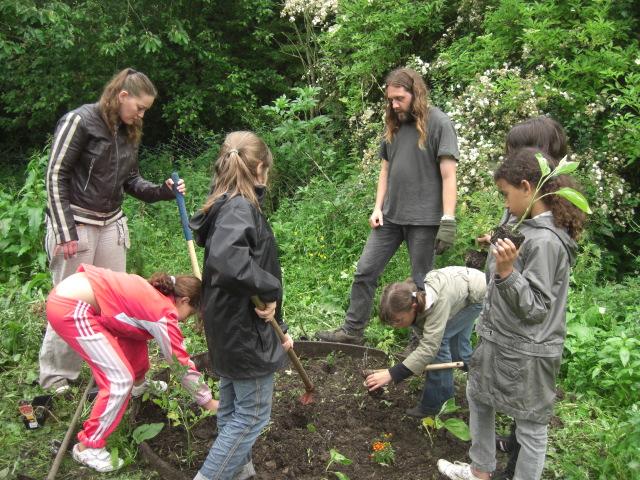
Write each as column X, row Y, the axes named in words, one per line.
column 576, row 198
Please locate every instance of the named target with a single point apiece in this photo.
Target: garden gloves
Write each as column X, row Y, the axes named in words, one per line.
column 446, row 234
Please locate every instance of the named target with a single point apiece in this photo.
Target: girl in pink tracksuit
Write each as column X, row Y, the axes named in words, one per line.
column 107, row 318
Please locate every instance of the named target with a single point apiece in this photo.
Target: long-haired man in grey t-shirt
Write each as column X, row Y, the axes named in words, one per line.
column 415, row 199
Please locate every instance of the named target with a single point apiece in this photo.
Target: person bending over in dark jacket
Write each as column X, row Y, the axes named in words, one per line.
column 94, row 161
column 241, row 260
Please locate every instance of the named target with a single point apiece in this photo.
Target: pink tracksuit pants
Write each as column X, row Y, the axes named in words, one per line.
column 115, row 363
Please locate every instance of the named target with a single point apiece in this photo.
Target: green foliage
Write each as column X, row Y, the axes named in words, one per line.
column 454, row 425
column 146, row 431
column 371, row 38
column 211, row 70
column 22, row 215
column 336, row 457
column 602, row 347
column 300, row 141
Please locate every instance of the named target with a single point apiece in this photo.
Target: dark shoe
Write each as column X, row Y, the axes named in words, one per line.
column 417, row 412
column 503, row 475
column 507, row 443
column 339, row 336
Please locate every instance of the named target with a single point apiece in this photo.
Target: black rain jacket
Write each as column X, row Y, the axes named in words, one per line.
column 240, row 260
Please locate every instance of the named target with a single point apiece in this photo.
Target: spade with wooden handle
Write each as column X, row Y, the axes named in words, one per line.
column 307, row 397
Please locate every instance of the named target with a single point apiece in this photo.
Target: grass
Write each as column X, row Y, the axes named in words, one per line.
column 321, row 232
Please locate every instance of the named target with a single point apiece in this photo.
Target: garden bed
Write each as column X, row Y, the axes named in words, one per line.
column 298, row 442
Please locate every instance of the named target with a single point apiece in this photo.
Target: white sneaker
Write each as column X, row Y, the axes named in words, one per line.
column 61, row 389
column 97, row 458
column 156, row 386
column 456, row 470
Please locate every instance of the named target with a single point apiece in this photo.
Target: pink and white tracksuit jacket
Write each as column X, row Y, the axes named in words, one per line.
column 114, row 342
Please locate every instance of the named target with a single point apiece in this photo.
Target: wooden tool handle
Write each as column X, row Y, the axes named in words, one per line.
column 67, row 437
column 444, row 366
column 292, row 354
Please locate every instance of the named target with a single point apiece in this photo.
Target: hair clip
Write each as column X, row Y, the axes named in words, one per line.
column 233, row 150
column 414, row 294
column 173, row 280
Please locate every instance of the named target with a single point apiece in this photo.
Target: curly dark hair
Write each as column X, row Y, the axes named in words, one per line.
column 522, row 165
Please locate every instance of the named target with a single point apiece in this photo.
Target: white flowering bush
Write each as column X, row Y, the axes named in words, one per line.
column 318, row 11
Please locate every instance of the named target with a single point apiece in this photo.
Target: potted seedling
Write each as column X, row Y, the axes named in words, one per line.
column 576, row 198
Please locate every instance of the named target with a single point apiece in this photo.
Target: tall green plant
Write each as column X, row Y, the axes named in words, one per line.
column 22, row 214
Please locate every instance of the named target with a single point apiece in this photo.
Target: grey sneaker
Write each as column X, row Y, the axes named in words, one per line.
column 339, row 335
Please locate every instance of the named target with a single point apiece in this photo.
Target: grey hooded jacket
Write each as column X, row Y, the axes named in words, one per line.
column 522, row 325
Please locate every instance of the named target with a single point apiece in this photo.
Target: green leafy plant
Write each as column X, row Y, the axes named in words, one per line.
column 563, row 168
column 455, row 426
column 336, row 457
column 382, row 452
column 176, row 403
column 146, row 431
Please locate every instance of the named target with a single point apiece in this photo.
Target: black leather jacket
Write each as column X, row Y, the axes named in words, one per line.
column 241, row 260
column 89, row 171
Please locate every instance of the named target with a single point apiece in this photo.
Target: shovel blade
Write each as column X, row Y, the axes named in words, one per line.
column 306, row 398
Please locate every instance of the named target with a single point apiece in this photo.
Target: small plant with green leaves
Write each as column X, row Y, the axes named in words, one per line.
column 456, row 426
column 336, row 457
column 569, row 194
column 175, row 402
column 382, row 452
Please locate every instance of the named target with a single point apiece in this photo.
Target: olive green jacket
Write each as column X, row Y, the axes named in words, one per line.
column 453, row 288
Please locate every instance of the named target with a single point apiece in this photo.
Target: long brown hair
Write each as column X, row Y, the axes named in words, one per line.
column 400, row 297
column 413, row 83
column 523, row 165
column 236, row 169
column 540, row 132
column 178, row 286
column 136, row 84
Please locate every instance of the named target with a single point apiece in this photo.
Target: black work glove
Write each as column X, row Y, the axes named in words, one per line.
column 446, row 235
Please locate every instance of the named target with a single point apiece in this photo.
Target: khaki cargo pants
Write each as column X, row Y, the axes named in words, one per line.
column 103, row 246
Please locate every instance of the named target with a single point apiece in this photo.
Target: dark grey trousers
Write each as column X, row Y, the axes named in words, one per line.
column 382, row 244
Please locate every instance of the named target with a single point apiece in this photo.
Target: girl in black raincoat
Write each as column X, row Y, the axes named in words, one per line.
column 241, row 260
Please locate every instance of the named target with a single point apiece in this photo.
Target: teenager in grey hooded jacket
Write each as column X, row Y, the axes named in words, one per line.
column 522, row 325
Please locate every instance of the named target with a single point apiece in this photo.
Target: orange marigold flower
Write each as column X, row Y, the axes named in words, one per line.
column 377, row 446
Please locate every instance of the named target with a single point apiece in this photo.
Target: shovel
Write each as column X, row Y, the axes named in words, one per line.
column 185, row 226
column 307, row 396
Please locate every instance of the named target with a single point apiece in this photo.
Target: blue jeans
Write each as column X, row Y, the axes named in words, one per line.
column 245, row 409
column 382, row 244
column 455, row 346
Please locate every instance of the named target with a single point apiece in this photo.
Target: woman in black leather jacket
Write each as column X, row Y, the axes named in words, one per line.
column 94, row 161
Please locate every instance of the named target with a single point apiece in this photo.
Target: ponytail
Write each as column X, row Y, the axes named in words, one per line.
column 236, row 169
column 178, row 286
column 398, row 298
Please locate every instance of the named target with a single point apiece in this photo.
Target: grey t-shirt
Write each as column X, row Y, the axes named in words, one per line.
column 414, row 183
